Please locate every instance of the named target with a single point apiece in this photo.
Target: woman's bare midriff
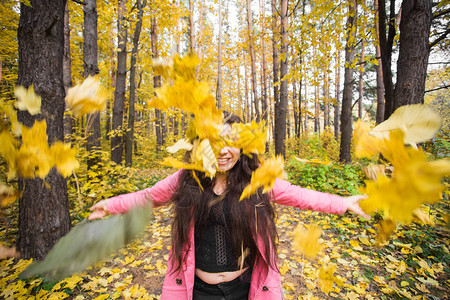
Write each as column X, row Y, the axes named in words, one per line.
column 215, row 278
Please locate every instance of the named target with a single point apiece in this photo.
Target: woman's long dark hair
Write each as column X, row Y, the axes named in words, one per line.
column 250, row 218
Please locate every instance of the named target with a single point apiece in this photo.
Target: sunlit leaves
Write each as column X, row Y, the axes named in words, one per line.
column 87, row 98
column 64, row 157
column 251, row 138
column 28, row 100
column 417, row 122
column 306, row 241
column 327, row 278
column 182, row 144
column 265, row 176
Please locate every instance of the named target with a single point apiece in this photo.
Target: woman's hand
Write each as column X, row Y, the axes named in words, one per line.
column 353, row 205
column 99, row 210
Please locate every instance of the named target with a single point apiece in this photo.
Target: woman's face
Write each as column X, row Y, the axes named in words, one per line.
column 228, row 156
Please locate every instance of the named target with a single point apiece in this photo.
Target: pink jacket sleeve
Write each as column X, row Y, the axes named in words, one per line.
column 160, row 194
column 288, row 194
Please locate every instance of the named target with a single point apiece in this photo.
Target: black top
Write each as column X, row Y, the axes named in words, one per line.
column 214, row 252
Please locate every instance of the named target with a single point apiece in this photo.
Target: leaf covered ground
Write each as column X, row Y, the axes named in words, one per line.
column 414, row 264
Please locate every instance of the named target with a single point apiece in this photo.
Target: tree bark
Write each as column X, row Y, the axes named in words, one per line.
column 90, row 58
column 252, row 58
column 67, row 73
column 264, row 108
column 219, row 62
column 191, row 28
column 281, row 107
column 337, row 103
column 44, row 205
column 247, row 104
column 361, row 71
column 119, row 94
column 275, row 59
column 132, row 98
column 347, row 95
column 386, row 44
column 379, row 117
column 413, row 53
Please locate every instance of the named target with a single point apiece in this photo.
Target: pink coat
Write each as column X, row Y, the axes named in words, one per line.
column 265, row 282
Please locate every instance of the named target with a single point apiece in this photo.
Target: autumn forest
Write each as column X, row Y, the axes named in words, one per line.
column 347, row 97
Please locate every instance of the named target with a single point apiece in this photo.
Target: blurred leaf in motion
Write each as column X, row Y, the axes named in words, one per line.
column 88, row 97
column 28, row 100
column 89, row 242
column 306, row 241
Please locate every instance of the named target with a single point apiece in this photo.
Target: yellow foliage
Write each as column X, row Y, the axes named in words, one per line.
column 385, row 230
column 87, row 98
column 28, row 100
column 306, row 241
column 326, row 278
column 64, row 158
column 251, row 138
column 365, row 144
column 264, row 176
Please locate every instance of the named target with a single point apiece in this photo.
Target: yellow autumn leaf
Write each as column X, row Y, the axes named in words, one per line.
column 8, row 148
column 327, row 278
column 250, row 137
column 306, row 241
column 33, row 158
column 366, row 145
column 205, row 154
column 88, row 97
column 264, row 176
column 64, row 158
column 385, row 229
column 418, row 123
column 182, row 144
column 28, row 100
column 312, row 161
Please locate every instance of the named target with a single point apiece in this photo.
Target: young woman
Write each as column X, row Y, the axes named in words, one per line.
column 223, row 248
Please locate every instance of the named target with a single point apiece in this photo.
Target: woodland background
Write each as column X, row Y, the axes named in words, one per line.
column 307, row 68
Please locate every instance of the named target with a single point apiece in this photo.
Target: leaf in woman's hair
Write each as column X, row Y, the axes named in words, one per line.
column 89, row 242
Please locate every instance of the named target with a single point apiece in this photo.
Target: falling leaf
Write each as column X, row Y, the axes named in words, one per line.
column 264, row 176
column 312, row 161
column 385, row 230
column 372, row 171
column 306, row 241
column 27, row 100
column 89, row 242
column 87, row 98
column 251, row 138
column 327, row 279
column 418, row 123
column 182, row 144
column 64, row 158
column 365, row 144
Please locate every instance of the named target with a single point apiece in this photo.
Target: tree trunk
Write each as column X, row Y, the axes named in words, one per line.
column 361, row 71
column 386, row 44
column 219, row 63
column 159, row 116
column 413, row 53
column 90, row 58
column 347, row 95
column 119, row 94
column 247, row 104
column 191, row 28
column 252, row 58
column 68, row 120
column 44, row 206
column 326, row 94
column 281, row 107
column 379, row 69
column 132, row 99
column 336, row 105
column 264, row 107
column 275, row 59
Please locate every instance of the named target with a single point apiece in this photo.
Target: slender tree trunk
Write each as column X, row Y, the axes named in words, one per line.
column 247, row 104
column 281, row 107
column 113, row 74
column 386, row 44
column 159, row 116
column 379, row 69
column 316, row 95
column 44, row 206
column 361, row 71
column 68, row 120
column 131, row 111
column 337, row 103
column 219, row 63
column 326, row 96
column 264, row 107
column 90, row 57
column 347, row 96
column 306, row 113
column 252, row 58
column 275, row 59
column 191, row 28
column 119, row 94
column 413, row 53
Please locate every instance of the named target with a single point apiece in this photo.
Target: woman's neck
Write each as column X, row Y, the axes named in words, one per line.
column 220, row 184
